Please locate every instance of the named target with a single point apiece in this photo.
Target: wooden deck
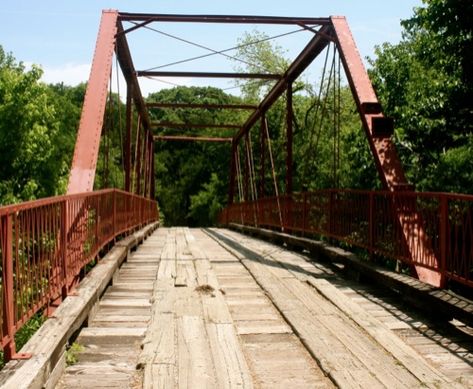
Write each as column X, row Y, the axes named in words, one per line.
column 195, row 308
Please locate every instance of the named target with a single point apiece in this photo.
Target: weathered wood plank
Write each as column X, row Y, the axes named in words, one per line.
column 392, row 343
column 196, row 369
column 231, row 368
column 310, row 316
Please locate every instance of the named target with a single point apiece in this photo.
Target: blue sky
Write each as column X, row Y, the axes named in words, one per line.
column 60, row 35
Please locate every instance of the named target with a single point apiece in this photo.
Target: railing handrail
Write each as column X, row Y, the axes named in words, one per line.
column 432, row 231
column 451, row 195
column 45, row 243
column 10, row 208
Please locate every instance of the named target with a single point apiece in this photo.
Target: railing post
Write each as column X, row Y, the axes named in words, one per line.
column 64, row 226
column 7, row 290
column 8, row 304
column 330, row 212
column 371, row 224
column 114, row 220
column 97, row 218
column 443, row 238
column 304, row 213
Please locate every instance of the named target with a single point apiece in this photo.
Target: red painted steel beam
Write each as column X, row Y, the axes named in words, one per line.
column 201, row 106
column 224, row 19
column 129, row 73
column 127, row 146
column 84, row 161
column 303, row 60
column 262, row 76
column 384, row 151
column 289, row 139
column 191, row 138
column 231, row 189
column 263, row 131
column 139, row 152
column 153, row 175
column 192, row 125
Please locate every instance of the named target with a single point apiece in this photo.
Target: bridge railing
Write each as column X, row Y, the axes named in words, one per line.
column 45, row 244
column 434, row 230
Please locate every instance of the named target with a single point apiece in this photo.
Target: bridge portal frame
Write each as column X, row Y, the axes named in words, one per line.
column 112, row 38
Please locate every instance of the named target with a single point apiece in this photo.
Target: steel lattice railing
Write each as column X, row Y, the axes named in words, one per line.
column 432, row 230
column 44, row 245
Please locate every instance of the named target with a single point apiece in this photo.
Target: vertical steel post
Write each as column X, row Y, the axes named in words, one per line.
column 246, row 177
column 263, row 155
column 97, row 218
column 153, row 178
column 231, row 189
column 371, row 223
column 138, row 161
column 331, row 217
column 146, row 164
column 304, row 213
column 150, row 163
column 144, row 154
column 443, row 239
column 129, row 119
column 8, row 292
column 7, row 289
column 288, row 220
column 64, row 227
column 114, row 194
column 289, row 139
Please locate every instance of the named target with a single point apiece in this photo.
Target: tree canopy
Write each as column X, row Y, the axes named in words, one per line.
column 37, row 129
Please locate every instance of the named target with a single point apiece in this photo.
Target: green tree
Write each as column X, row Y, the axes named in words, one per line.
column 425, row 83
column 208, row 202
column 187, row 173
column 67, row 103
column 28, row 129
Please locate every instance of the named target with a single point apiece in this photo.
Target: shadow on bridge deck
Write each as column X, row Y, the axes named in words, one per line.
column 203, row 308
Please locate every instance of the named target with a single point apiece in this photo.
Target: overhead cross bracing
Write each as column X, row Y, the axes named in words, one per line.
column 323, row 32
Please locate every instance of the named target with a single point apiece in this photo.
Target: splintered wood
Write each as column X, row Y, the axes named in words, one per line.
column 194, row 308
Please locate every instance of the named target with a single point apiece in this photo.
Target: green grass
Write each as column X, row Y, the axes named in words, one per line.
column 71, row 353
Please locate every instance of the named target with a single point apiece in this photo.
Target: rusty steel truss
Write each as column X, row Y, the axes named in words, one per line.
column 112, row 38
